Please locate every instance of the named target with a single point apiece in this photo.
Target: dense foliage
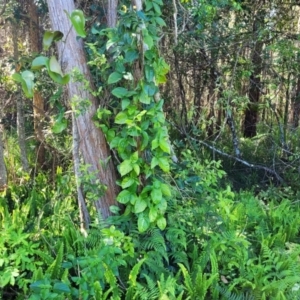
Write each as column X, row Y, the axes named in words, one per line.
column 200, row 215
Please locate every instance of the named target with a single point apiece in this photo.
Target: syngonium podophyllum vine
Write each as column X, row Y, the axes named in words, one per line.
column 139, row 134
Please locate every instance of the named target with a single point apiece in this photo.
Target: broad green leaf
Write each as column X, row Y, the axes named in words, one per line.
column 166, row 190
column 156, row 195
column 154, row 162
column 140, row 205
column 39, row 62
column 152, row 214
column 131, row 55
column 127, row 182
column 121, row 118
column 154, row 144
column 78, row 21
column 144, row 98
column 114, row 77
column 119, row 92
column 134, row 157
column 49, row 37
column 17, row 77
column 125, row 167
column 28, row 83
column 145, row 140
column 149, row 72
column 162, row 206
column 160, row 21
column 148, row 40
column 161, row 223
column 164, row 164
column 59, row 126
column 157, row 8
column 143, row 222
column 125, row 197
column 164, row 145
column 124, row 103
column 60, row 287
column 136, row 169
column 54, row 66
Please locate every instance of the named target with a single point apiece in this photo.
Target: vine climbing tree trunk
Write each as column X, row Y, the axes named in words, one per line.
column 93, row 146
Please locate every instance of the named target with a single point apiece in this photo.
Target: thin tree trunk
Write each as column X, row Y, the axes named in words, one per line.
column 38, row 101
column 251, row 114
column 20, row 113
column 3, row 171
column 83, row 211
column 93, row 145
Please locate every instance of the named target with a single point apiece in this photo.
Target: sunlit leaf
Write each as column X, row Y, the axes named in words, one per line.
column 125, row 167
column 140, row 205
column 78, row 21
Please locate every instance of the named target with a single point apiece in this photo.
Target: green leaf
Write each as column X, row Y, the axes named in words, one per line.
column 125, row 167
column 125, row 196
column 54, row 66
column 114, row 77
column 152, row 214
column 27, row 81
column 78, row 21
column 160, row 21
column 166, row 190
column 164, row 145
column 17, row 77
column 59, row 126
column 144, row 98
column 119, row 92
column 143, row 222
column 140, row 205
column 154, row 162
column 131, row 55
column 60, row 287
column 149, row 72
column 164, row 164
column 124, row 103
column 148, row 40
column 157, row 8
column 121, row 118
column 39, row 62
column 136, row 168
column 161, row 223
column 127, row 182
column 154, row 144
column 49, row 37
column 156, row 195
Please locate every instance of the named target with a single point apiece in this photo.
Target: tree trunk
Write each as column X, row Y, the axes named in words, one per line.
column 112, row 13
column 20, row 113
column 93, row 145
column 38, row 101
column 3, row 172
column 251, row 114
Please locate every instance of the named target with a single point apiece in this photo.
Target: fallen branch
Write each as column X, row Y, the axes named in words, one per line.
column 238, row 159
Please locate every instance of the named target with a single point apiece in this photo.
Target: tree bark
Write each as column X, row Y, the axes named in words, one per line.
column 38, row 101
column 93, row 145
column 251, row 114
column 20, row 113
column 112, row 13
column 3, row 172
